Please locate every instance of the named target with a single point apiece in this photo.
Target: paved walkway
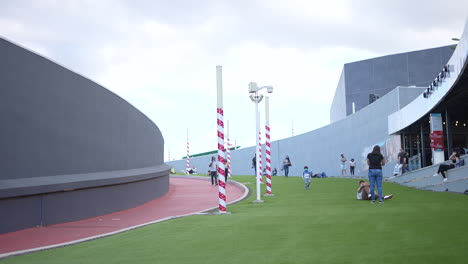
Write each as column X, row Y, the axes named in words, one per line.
column 187, row 195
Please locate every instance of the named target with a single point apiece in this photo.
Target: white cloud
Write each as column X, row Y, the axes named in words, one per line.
column 161, row 55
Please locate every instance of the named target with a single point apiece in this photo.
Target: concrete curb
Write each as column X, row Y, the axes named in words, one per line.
column 201, row 212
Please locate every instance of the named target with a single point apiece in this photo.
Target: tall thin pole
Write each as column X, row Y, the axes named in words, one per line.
column 235, row 139
column 292, row 128
column 187, row 167
column 258, row 150
column 267, row 146
column 449, row 132
column 423, row 151
column 168, row 153
column 220, row 117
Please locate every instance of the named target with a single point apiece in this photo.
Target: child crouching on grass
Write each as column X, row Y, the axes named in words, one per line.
column 306, row 175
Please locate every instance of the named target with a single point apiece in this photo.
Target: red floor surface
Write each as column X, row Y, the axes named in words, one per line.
column 186, row 196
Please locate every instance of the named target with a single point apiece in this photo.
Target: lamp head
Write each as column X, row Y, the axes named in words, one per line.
column 257, row 98
column 269, row 89
column 253, row 87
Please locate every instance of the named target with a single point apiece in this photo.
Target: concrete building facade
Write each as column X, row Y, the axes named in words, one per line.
column 361, row 80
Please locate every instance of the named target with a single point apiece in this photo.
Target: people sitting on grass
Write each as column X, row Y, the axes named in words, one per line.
column 319, row 175
column 363, row 192
column 275, row 172
column 454, row 159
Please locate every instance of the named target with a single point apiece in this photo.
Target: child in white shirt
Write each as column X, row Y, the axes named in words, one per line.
column 306, row 176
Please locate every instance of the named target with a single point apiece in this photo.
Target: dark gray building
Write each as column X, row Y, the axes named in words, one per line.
column 363, row 82
column 69, row 148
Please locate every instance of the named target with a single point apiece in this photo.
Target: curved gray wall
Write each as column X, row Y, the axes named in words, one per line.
column 320, row 149
column 69, row 148
column 56, row 122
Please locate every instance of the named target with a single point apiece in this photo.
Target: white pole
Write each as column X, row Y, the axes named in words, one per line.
column 221, row 158
column 292, row 128
column 235, row 139
column 257, row 153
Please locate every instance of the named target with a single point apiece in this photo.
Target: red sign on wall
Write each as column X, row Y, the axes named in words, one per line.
column 437, row 140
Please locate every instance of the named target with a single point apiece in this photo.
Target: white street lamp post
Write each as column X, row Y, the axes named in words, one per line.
column 255, row 97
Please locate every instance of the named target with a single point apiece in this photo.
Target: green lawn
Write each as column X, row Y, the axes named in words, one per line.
column 324, row 224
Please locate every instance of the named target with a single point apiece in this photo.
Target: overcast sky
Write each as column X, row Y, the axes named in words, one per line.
column 161, row 56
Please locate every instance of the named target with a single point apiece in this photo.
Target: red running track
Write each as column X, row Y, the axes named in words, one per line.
column 185, row 196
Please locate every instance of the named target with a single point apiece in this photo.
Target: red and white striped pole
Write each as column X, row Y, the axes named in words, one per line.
column 187, row 167
column 267, row 146
column 228, row 152
column 259, row 161
column 221, row 173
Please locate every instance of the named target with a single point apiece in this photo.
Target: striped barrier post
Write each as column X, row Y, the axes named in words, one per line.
column 228, row 152
column 259, row 161
column 187, row 167
column 220, row 118
column 267, row 147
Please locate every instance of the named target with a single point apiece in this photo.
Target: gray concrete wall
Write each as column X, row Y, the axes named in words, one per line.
column 48, row 208
column 338, row 106
column 407, row 94
column 57, row 122
column 69, row 148
column 320, row 149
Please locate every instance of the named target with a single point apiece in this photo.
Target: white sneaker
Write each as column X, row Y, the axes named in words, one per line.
column 436, row 174
column 445, row 179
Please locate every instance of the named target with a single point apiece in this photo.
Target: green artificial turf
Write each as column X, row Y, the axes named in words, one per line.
column 325, row 224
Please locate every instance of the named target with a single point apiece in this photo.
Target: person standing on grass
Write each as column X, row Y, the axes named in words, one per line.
column 352, row 164
column 254, row 164
column 401, row 160
column 306, row 176
column 343, row 165
column 213, row 171
column 226, row 170
column 375, row 160
column 286, row 165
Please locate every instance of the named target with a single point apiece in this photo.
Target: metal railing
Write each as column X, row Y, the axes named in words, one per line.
column 414, row 162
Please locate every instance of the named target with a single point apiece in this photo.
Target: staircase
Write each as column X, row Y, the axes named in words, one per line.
column 457, row 178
